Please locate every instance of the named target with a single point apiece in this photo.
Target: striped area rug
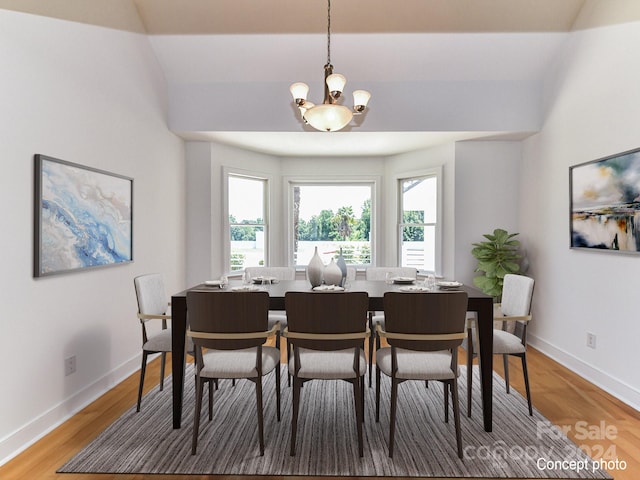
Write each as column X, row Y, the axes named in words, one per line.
column 520, row 446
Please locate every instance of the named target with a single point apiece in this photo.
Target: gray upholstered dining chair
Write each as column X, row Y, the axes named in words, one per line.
column 424, row 331
column 327, row 331
column 377, row 274
column 511, row 317
column 232, row 327
column 153, row 305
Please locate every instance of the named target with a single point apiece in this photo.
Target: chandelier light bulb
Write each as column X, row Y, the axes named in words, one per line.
column 299, row 92
column 360, row 100
column 336, row 83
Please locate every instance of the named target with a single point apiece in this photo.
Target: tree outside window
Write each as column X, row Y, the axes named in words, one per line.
column 332, row 217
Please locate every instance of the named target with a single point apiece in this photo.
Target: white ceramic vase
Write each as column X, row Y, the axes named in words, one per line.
column 342, row 264
column 332, row 274
column 315, row 270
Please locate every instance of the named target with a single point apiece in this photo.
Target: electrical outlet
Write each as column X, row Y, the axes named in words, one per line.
column 591, row 340
column 69, row 365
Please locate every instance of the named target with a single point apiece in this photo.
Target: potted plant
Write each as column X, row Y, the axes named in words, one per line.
column 496, row 257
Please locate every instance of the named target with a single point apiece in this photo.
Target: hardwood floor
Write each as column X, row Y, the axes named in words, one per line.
column 564, row 398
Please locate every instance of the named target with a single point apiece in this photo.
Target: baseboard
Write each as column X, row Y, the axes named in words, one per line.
column 24, row 437
column 614, row 386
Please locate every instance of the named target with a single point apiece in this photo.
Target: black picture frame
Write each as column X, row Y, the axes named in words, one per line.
column 83, row 217
column 605, row 203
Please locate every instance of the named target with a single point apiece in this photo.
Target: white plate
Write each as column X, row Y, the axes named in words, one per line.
column 403, row 280
column 246, row 288
column 414, row 288
column 449, row 285
column 328, row 288
column 213, row 283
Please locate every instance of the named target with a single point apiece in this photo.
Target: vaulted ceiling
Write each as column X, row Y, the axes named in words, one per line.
column 250, row 50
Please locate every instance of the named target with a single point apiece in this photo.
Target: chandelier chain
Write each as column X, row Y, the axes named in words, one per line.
column 328, row 32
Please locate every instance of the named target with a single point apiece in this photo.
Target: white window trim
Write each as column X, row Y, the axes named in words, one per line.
column 373, row 180
column 226, row 230
column 429, row 172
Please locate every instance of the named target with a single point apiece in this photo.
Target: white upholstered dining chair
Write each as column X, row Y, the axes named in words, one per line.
column 377, row 274
column 153, row 305
column 277, row 273
column 511, row 317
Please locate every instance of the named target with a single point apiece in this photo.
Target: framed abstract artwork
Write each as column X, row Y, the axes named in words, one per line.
column 605, row 203
column 82, row 217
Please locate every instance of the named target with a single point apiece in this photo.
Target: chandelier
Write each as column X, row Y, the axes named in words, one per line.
column 329, row 116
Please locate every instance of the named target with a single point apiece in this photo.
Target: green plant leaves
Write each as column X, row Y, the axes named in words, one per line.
column 496, row 257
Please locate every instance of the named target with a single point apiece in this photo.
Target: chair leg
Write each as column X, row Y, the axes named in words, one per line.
column 456, row 415
column 358, row 401
column 526, row 382
column 278, row 391
column 377, row 394
column 210, row 386
column 196, row 415
column 446, row 402
column 370, row 341
column 288, row 356
column 469, row 371
column 392, row 423
column 143, row 369
column 297, row 384
column 505, row 361
column 258, row 383
column 362, row 382
column 163, row 360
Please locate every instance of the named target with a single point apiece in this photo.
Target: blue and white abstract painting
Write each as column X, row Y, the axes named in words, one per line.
column 85, row 217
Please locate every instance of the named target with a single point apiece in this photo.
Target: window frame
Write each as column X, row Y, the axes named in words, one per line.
column 374, row 183
column 415, row 175
column 250, row 175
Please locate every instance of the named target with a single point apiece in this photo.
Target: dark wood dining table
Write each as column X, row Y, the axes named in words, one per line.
column 477, row 302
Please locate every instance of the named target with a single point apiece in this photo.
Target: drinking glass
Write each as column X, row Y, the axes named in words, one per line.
column 224, row 281
column 246, row 278
column 431, row 281
column 388, row 278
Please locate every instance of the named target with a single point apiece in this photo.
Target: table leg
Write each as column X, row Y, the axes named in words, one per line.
column 485, row 359
column 178, row 337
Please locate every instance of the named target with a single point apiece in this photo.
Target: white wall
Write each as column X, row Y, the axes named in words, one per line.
column 593, row 104
column 97, row 97
column 486, row 198
column 200, row 243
